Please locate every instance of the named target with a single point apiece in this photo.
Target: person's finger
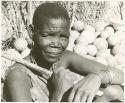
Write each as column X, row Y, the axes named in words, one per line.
column 71, row 95
column 77, row 96
column 90, row 98
column 84, row 97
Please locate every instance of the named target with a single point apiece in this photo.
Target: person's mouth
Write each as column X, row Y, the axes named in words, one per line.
column 53, row 54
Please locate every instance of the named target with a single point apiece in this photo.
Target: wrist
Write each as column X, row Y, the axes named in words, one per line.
column 97, row 77
column 105, row 76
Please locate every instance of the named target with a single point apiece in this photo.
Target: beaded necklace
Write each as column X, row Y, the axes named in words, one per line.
column 32, row 59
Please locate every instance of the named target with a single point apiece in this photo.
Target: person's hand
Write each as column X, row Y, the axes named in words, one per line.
column 61, row 81
column 85, row 89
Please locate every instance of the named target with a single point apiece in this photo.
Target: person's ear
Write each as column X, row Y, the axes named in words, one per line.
column 31, row 31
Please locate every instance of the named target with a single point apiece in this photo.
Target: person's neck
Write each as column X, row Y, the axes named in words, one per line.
column 40, row 60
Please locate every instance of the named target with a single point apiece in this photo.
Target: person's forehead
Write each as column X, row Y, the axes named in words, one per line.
column 57, row 23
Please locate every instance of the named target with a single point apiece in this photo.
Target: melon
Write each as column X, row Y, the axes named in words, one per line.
column 89, row 36
column 105, row 34
column 101, row 43
column 110, row 30
column 119, row 59
column 85, row 32
column 117, row 49
column 91, row 50
column 103, row 53
column 74, row 34
column 20, row 44
column 81, row 40
column 111, row 61
column 78, row 25
column 80, row 49
column 113, row 40
column 97, row 33
column 89, row 28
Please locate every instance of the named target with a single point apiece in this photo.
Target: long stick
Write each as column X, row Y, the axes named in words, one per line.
column 30, row 65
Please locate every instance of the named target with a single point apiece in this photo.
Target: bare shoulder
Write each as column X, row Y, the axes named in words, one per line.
column 16, row 74
column 65, row 59
column 71, row 56
column 17, row 70
column 18, row 84
column 68, row 53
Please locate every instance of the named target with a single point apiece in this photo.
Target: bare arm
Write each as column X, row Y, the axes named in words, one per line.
column 85, row 89
column 19, row 84
column 87, row 66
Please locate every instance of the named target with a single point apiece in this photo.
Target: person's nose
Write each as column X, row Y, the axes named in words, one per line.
column 56, row 42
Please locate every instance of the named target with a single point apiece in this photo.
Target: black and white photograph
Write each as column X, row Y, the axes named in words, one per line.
column 62, row 51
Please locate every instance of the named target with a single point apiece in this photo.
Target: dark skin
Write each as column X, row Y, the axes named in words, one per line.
column 19, row 81
column 50, row 44
column 52, row 39
column 86, row 89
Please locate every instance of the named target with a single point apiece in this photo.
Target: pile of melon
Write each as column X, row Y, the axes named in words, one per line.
column 102, row 42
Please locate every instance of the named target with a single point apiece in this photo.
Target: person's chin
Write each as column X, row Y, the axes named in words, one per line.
column 51, row 58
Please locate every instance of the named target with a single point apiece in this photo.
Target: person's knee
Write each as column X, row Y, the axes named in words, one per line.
column 114, row 92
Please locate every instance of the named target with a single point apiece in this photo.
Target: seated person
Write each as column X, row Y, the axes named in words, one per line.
column 51, row 25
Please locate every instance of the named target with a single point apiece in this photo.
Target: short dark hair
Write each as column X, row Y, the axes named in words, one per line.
column 49, row 10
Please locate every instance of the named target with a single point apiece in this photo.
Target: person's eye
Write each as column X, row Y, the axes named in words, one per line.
column 44, row 34
column 51, row 34
column 64, row 36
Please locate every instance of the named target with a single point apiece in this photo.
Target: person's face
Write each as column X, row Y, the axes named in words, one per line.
column 53, row 39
